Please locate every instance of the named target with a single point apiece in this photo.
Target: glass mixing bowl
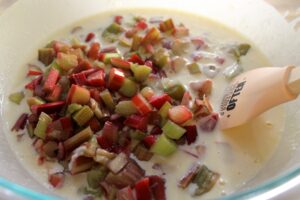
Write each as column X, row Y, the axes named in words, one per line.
column 28, row 23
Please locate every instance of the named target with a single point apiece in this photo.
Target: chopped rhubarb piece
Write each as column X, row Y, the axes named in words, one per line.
column 189, row 176
column 56, row 180
column 77, row 139
column 157, row 185
column 147, row 92
column 142, row 189
column 180, row 114
column 141, row 104
column 60, row 130
column 83, row 64
column 96, row 78
column 94, row 124
column 181, row 31
column 120, row 63
column 89, row 37
column 34, row 70
column 163, row 146
column 149, row 140
column 209, row 123
column 51, row 80
column 55, row 94
column 142, row 153
column 186, row 99
column 191, row 134
column 118, row 163
column 118, row 19
column 167, row 25
column 20, row 123
column 137, row 121
column 47, row 107
column 202, row 108
column 159, row 101
column 66, row 61
column 116, row 79
column 31, row 85
column 109, row 135
column 173, row 130
column 78, row 94
column 125, row 194
column 136, row 59
column 202, row 87
column 94, row 50
column 156, row 130
column 151, row 37
column 79, row 78
column 141, row 25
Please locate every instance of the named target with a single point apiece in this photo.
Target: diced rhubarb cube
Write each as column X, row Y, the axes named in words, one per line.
column 125, row 194
column 56, row 180
column 180, row 114
column 51, row 80
column 142, row 189
column 120, row 63
column 109, row 135
column 94, row 50
column 47, row 107
column 156, row 130
column 159, row 101
column 78, row 94
column 79, row 78
column 97, row 78
column 191, row 134
column 141, row 104
column 157, row 185
column 141, row 25
column 137, row 121
column 20, row 123
column 151, row 37
column 55, row 94
column 94, row 124
column 116, row 79
column 149, row 140
column 118, row 19
column 136, row 59
column 31, row 85
column 89, row 37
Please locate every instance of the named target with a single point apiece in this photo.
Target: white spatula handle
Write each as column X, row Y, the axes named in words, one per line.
column 294, row 80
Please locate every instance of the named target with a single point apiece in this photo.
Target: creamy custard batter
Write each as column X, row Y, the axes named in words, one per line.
column 237, row 154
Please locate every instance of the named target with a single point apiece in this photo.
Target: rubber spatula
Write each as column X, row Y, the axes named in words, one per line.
column 254, row 92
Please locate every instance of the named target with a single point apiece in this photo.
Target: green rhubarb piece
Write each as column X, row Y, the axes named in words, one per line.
column 83, row 115
column 108, row 56
column 137, row 135
column 194, row 68
column 114, row 28
column 46, row 55
column 99, row 64
column 41, row 127
column 136, row 42
column 107, row 99
column 161, row 57
column 173, row 130
column 176, row 91
column 30, row 130
column 163, row 112
column 129, row 88
column 67, row 61
column 73, row 107
column 201, row 175
column 34, row 101
column 125, row 108
column 140, row 72
column 96, row 175
column 124, row 43
column 16, row 97
column 163, row 146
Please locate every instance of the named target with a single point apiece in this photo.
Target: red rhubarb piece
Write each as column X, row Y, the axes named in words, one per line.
column 141, row 25
column 116, row 79
column 159, row 101
column 20, row 123
column 180, row 114
column 55, row 94
column 56, row 180
column 191, row 134
column 118, row 19
column 142, row 189
column 78, row 94
column 79, row 78
column 51, row 80
column 120, row 63
column 149, row 140
column 157, row 185
column 109, row 135
column 96, row 79
column 31, row 85
column 94, row 50
column 137, row 121
column 141, row 104
column 136, row 59
column 47, row 107
column 89, row 37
